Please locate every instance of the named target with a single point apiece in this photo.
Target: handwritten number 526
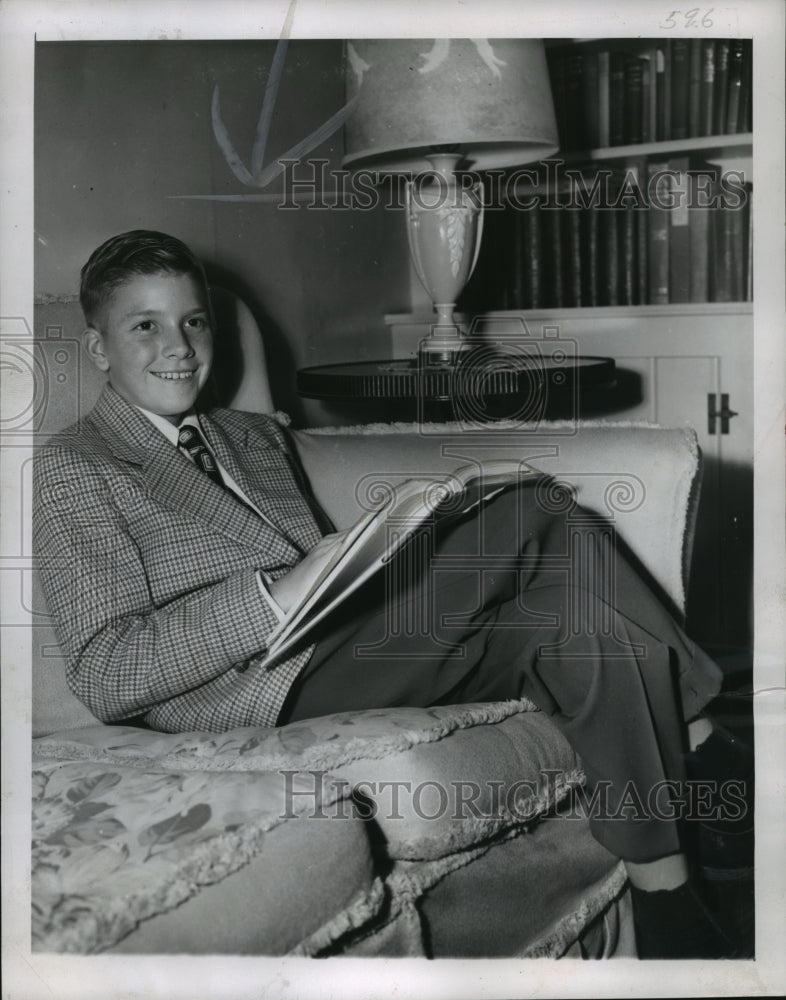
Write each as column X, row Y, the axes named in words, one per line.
column 693, row 18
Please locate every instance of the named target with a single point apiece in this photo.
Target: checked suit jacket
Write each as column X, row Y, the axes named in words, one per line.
column 149, row 568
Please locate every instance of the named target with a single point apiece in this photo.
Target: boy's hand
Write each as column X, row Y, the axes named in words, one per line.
column 287, row 589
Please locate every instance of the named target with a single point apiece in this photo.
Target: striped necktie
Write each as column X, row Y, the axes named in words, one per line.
column 192, row 442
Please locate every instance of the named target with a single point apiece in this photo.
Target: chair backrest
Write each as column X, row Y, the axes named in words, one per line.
column 645, row 479
column 240, row 371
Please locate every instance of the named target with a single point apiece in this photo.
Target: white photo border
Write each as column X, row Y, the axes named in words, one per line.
column 28, row 976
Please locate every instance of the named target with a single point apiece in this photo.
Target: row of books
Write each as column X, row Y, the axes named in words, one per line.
column 677, row 88
column 697, row 250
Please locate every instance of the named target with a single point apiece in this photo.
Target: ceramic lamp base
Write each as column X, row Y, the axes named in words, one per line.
column 444, row 229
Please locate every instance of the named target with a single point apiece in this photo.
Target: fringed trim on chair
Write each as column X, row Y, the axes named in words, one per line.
column 193, row 752
column 555, row 942
column 400, row 427
column 356, row 915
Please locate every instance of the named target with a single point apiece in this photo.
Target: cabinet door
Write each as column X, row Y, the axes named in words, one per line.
column 679, row 371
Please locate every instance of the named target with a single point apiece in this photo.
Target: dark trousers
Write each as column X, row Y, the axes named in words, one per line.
column 516, row 600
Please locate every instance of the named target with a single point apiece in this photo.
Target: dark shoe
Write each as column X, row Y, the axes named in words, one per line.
column 722, row 756
column 676, row 923
column 721, row 827
column 725, row 856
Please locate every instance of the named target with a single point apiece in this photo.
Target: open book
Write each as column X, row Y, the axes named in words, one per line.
column 378, row 534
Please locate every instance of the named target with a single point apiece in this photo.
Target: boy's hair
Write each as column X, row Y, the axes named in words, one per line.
column 141, row 251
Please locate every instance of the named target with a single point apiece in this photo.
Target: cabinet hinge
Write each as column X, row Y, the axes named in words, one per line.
column 724, row 413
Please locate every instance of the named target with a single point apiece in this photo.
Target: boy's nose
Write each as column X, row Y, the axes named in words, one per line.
column 177, row 344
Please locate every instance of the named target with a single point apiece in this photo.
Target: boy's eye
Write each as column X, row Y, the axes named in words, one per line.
column 144, row 325
column 196, row 323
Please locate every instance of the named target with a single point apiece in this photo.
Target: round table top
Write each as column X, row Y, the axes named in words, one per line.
column 473, row 375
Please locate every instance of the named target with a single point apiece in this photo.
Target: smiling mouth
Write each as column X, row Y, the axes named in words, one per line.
column 174, row 376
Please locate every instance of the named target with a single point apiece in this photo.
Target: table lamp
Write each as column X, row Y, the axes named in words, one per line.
column 433, row 109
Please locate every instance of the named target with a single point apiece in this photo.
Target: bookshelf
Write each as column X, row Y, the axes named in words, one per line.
column 722, row 148
column 610, row 92
column 609, row 221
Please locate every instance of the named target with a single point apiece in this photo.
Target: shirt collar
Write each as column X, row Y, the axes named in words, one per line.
column 170, row 431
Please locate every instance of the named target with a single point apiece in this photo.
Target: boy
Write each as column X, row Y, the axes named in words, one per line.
column 174, row 536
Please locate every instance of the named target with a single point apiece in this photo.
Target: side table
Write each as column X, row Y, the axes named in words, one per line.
column 473, row 390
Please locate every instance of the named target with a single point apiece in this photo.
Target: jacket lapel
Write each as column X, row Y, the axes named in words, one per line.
column 175, row 481
column 251, row 459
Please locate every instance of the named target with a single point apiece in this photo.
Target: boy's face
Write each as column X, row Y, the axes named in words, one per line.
column 153, row 339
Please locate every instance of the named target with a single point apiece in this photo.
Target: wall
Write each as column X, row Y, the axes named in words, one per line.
column 123, row 132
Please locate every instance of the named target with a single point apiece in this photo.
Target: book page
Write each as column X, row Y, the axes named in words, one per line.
column 377, row 536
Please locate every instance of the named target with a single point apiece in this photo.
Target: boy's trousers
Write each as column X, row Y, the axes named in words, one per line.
column 518, row 600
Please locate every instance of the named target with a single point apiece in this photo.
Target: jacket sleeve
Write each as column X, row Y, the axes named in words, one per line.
column 125, row 654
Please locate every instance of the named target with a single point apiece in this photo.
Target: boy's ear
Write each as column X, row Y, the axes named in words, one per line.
column 93, row 343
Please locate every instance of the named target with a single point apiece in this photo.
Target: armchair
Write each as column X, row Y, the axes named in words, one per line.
column 148, row 843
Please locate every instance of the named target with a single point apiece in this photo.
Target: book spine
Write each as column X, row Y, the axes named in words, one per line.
column 699, row 215
column 647, row 89
column 642, row 238
column 515, row 297
column 723, row 278
column 731, row 112
column 634, row 174
column 574, row 82
column 591, row 270
column 590, row 98
column 617, row 99
column 633, row 91
column 721, row 95
column 629, row 286
column 680, row 85
column 635, row 201
column 559, row 92
column 604, row 81
column 707, row 87
column 532, row 255
column 745, row 120
column 610, row 282
column 552, row 222
column 658, row 233
column 679, row 234
column 694, row 87
column 498, row 268
column 573, row 276
column 660, row 93
column 667, row 88
column 737, row 238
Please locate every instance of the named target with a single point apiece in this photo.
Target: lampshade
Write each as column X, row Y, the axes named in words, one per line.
column 488, row 98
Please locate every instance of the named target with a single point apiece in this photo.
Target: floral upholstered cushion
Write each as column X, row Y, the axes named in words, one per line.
column 129, row 823
column 114, row 845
